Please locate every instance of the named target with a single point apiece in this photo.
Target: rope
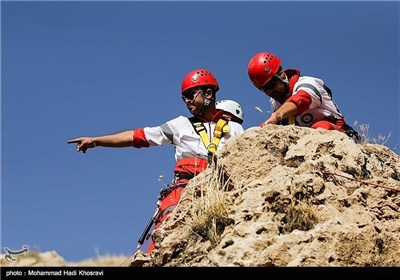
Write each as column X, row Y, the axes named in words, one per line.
column 130, row 256
column 361, row 181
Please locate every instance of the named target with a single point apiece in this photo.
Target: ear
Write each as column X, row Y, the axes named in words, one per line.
column 282, row 74
column 284, row 77
column 209, row 93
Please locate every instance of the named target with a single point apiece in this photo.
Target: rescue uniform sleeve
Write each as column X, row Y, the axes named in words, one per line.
column 168, row 132
column 160, row 135
column 302, row 100
column 139, row 139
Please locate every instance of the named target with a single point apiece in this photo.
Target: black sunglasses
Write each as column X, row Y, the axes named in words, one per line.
column 271, row 84
column 191, row 95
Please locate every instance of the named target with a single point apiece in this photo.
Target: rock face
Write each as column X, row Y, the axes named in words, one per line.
column 287, row 196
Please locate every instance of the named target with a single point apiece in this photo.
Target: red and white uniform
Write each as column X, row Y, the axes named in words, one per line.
column 181, row 134
column 313, row 102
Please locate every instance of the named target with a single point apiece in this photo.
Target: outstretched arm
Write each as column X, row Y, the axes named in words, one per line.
column 288, row 109
column 117, row 140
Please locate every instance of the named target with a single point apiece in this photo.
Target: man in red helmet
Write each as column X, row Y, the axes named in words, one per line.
column 188, row 135
column 307, row 100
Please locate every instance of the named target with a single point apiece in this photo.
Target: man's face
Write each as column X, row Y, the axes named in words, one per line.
column 194, row 100
column 275, row 89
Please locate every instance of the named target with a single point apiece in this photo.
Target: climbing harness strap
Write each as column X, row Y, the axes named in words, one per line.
column 220, row 129
column 352, row 133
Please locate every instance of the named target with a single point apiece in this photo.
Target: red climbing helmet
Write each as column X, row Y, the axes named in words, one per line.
column 199, row 77
column 262, row 67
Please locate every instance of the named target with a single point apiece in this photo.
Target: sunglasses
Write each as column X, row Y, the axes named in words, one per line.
column 191, row 95
column 270, row 85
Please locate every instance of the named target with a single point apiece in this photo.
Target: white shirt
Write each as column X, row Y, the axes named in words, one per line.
column 187, row 142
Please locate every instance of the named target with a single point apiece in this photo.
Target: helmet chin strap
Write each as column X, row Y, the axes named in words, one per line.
column 206, row 103
column 285, row 81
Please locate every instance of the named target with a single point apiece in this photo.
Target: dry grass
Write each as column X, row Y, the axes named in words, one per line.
column 366, row 137
column 209, row 215
column 300, row 216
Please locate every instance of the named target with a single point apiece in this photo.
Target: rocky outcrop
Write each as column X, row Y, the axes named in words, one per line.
column 287, row 196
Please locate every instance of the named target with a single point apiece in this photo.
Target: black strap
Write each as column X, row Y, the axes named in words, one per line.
column 179, row 176
column 197, row 124
column 328, row 90
column 310, row 86
column 352, row 133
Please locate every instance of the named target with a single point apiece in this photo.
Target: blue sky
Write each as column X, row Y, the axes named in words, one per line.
column 73, row 69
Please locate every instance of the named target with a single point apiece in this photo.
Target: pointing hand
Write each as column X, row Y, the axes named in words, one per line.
column 83, row 143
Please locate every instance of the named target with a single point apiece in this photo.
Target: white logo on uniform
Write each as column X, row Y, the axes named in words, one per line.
column 307, row 118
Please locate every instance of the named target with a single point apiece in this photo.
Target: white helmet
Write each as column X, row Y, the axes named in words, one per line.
column 231, row 107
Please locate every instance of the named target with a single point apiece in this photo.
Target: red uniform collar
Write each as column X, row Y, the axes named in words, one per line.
column 293, row 76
